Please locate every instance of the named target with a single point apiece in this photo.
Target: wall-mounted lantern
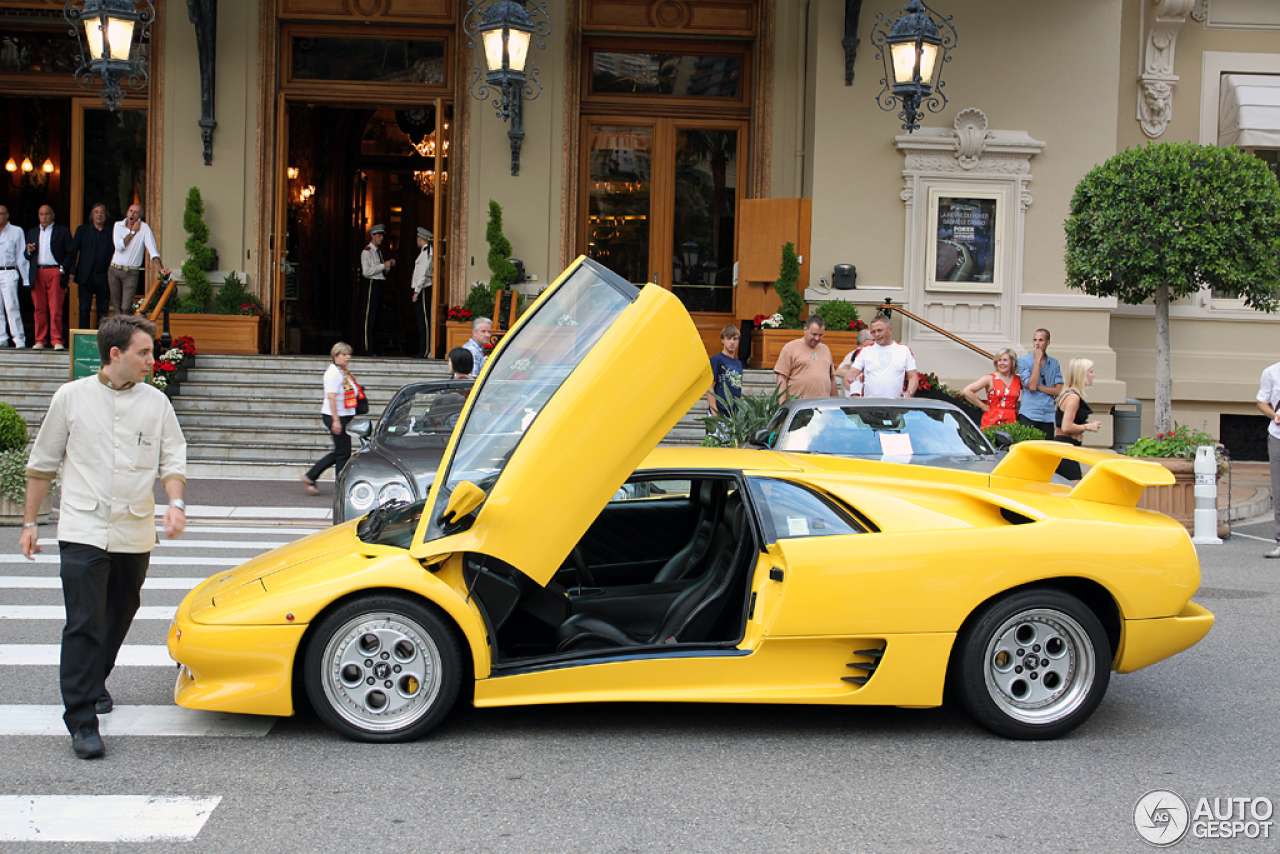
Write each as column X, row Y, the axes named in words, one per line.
column 914, row 48
column 111, row 34
column 507, row 36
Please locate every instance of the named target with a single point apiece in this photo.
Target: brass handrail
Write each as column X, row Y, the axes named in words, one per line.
column 889, row 308
column 164, row 298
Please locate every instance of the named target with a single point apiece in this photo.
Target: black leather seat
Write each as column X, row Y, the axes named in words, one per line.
column 690, row 561
column 693, row 614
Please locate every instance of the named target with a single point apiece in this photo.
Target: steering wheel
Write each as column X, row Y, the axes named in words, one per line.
column 585, row 578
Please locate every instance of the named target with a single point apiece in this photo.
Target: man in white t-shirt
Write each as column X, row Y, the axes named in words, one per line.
column 884, row 365
column 1268, row 401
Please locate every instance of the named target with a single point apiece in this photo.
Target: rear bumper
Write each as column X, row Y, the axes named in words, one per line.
column 1148, row 641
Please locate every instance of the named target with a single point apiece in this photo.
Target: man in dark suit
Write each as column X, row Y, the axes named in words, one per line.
column 48, row 245
column 88, row 261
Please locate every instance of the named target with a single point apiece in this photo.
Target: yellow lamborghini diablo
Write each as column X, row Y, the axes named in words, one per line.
column 559, row 558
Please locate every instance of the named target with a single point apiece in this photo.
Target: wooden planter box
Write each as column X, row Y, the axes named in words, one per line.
column 456, row 333
column 1178, row 500
column 767, row 344
column 222, row 333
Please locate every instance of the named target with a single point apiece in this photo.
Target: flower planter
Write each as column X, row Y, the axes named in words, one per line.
column 11, row 511
column 456, row 333
column 180, row 373
column 767, row 344
column 222, row 333
column 172, row 389
column 1177, row 500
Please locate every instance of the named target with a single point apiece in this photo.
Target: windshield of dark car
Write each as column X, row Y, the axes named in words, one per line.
column 887, row 431
column 423, row 415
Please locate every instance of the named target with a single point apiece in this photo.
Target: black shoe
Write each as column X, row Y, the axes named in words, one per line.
column 87, row 743
column 104, row 704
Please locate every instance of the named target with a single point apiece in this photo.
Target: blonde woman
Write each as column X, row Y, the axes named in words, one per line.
column 1004, row 387
column 1072, row 412
column 335, row 413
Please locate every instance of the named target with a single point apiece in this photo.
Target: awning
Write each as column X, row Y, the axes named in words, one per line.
column 1249, row 111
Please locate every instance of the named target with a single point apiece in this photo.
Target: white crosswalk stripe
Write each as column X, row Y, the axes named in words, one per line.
column 102, row 818
column 27, row 605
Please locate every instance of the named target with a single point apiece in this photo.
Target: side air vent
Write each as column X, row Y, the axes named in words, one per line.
column 866, row 668
column 1015, row 518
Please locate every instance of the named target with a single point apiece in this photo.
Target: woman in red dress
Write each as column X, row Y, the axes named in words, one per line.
column 1004, row 387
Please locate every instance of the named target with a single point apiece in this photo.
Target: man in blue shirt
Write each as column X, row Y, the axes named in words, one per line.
column 726, row 371
column 1041, row 377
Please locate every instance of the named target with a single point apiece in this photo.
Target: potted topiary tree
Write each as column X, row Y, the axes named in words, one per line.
column 14, row 454
column 773, row 333
column 1168, row 220
column 230, row 321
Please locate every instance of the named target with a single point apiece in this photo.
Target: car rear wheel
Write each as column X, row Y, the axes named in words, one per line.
column 1034, row 665
column 383, row 669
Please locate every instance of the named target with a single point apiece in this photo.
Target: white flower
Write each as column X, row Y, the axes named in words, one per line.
column 774, row 321
column 160, row 381
column 173, row 355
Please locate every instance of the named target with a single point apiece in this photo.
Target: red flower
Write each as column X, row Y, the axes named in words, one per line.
column 856, row 326
column 165, row 367
column 760, row 319
column 186, row 344
column 458, row 314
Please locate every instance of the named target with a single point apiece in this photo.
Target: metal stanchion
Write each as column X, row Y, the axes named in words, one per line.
column 1206, row 513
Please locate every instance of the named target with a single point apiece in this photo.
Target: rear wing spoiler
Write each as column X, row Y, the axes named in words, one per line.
column 1112, row 479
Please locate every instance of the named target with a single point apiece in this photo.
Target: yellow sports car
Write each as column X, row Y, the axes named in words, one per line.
column 552, row 562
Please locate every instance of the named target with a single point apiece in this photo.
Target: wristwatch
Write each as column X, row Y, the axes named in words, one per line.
column 30, row 524
column 179, row 503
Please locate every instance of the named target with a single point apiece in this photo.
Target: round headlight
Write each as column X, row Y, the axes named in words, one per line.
column 361, row 496
column 394, row 492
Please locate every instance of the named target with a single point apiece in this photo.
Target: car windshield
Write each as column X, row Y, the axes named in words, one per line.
column 883, row 432
column 528, row 370
column 423, row 415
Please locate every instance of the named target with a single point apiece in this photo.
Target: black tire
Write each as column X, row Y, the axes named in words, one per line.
column 1033, row 665
column 383, row 669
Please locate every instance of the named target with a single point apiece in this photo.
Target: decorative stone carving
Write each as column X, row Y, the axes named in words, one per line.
column 1160, row 28
column 1201, row 11
column 971, row 128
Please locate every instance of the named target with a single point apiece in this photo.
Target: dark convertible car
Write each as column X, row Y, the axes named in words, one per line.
column 399, row 454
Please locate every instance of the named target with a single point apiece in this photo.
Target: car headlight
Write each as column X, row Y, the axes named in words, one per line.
column 361, row 496
column 394, row 492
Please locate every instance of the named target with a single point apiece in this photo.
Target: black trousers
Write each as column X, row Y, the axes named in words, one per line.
column 372, row 302
column 341, row 449
column 101, row 591
column 1045, row 427
column 97, row 288
column 422, row 310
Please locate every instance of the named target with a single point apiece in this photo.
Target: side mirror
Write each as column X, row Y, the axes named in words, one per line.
column 465, row 499
column 761, row 438
column 1002, row 440
column 361, row 429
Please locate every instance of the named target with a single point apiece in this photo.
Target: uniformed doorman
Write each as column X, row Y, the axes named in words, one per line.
column 423, row 271
column 374, row 269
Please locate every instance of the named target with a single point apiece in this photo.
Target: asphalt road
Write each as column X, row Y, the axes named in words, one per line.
column 674, row 778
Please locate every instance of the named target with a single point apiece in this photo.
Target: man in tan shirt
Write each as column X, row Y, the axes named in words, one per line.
column 110, row 434
column 805, row 367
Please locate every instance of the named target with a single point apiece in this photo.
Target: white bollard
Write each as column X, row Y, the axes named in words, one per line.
column 1206, row 515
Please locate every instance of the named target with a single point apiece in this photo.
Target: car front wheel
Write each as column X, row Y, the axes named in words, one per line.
column 383, row 669
column 1034, row 665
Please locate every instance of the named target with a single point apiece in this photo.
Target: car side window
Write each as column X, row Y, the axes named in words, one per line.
column 775, row 428
column 653, row 490
column 790, row 511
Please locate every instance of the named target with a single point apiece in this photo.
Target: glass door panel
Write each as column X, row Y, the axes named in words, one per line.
column 619, row 198
column 705, row 207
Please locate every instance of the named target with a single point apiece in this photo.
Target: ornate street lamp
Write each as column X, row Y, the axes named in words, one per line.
column 507, row 36
column 110, row 34
column 913, row 48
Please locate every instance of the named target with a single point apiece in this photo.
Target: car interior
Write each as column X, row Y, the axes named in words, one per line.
column 668, row 561
column 873, row 432
column 424, row 413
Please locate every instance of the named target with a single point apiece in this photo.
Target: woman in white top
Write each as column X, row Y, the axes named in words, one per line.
column 338, row 382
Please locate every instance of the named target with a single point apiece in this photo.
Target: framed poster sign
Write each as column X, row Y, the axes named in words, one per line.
column 966, row 241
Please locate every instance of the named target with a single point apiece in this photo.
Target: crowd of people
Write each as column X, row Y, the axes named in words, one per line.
column 106, row 266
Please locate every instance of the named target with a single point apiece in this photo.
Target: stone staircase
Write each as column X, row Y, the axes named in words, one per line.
column 258, row 417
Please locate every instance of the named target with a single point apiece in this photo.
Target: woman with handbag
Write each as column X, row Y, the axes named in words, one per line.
column 343, row 400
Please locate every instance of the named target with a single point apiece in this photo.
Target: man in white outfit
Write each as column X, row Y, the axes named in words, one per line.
column 14, row 270
column 132, row 238
column 423, row 272
column 885, row 365
column 374, row 269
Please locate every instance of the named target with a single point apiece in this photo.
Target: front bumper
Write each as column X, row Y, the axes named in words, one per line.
column 241, row 669
column 1148, row 641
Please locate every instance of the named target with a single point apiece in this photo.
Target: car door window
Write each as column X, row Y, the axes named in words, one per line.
column 790, row 511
